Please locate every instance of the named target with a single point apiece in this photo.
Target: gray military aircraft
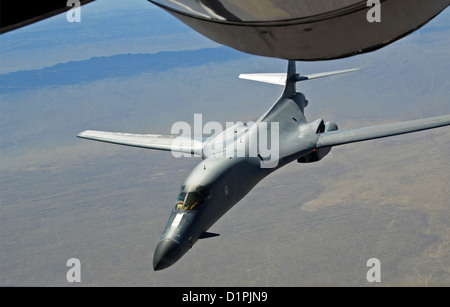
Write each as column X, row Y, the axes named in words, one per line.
column 231, row 167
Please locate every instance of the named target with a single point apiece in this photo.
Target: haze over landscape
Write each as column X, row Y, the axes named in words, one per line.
column 131, row 67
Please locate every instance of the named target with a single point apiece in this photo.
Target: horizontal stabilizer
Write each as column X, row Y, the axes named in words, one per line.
column 150, row 141
column 280, row 78
column 340, row 137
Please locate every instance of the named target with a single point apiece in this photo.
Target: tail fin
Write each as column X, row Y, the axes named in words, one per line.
column 292, row 71
column 291, row 79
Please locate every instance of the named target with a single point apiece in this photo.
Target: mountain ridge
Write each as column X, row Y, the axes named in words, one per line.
column 115, row 66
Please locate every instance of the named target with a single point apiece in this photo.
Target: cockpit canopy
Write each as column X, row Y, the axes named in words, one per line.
column 188, row 201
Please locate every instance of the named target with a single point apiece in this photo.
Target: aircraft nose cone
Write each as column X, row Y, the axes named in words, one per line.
column 167, row 252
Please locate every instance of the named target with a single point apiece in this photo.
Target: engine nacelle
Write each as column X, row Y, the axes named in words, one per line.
column 319, row 154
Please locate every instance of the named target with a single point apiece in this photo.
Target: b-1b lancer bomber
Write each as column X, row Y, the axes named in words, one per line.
column 237, row 159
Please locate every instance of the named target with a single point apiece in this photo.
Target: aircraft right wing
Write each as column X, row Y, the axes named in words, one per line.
column 149, row 141
column 340, row 137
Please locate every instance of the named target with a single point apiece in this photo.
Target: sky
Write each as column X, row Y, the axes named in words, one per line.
column 106, row 28
column 63, row 197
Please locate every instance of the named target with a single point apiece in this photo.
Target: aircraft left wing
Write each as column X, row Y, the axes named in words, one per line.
column 149, row 141
column 340, row 137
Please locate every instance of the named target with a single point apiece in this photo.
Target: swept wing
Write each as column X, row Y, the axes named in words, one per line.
column 340, row 137
column 149, row 141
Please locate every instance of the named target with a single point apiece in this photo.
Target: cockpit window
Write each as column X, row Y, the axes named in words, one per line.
column 180, row 201
column 188, row 201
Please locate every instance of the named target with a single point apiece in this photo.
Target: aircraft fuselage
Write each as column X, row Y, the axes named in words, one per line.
column 217, row 183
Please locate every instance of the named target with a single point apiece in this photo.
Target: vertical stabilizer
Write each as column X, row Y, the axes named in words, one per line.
column 292, row 70
column 291, row 79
